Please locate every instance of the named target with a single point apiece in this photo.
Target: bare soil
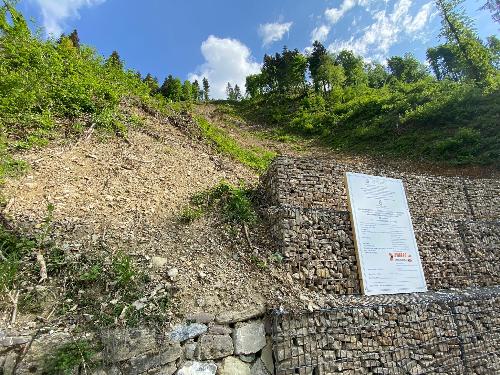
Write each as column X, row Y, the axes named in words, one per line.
column 127, row 195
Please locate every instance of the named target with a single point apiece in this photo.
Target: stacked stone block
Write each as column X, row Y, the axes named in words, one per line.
column 456, row 223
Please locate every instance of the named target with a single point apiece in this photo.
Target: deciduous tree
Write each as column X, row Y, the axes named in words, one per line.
column 458, row 30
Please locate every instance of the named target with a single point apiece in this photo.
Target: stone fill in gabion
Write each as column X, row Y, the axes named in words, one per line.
column 430, row 333
column 456, row 223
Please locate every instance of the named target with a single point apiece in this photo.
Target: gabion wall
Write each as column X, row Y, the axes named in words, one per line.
column 456, row 223
column 431, row 333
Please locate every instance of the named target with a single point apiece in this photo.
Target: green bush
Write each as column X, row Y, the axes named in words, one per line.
column 235, row 204
column 13, row 249
column 69, row 357
column 123, row 268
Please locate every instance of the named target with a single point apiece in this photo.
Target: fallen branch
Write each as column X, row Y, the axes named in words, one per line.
column 43, row 267
column 89, row 131
column 245, row 229
column 14, row 298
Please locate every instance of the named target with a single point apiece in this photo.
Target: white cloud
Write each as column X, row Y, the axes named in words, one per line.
column 335, row 14
column 320, row 33
column 418, row 22
column 226, row 60
column 55, row 12
column 273, row 32
column 386, row 30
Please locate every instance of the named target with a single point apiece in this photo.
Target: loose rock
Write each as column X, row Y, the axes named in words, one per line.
column 198, row 368
column 233, row 366
column 182, row 333
column 249, row 338
column 240, row 316
column 214, row 347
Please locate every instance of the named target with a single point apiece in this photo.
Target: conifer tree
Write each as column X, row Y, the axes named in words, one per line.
column 195, row 88
column 172, row 88
column 152, row 82
column 206, row 89
column 237, row 92
column 187, row 91
column 229, row 91
column 114, row 60
column 315, row 60
column 75, row 39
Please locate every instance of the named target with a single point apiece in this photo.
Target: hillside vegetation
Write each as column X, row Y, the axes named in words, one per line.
column 447, row 112
column 50, row 88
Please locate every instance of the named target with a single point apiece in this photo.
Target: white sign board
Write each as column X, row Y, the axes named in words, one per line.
column 387, row 252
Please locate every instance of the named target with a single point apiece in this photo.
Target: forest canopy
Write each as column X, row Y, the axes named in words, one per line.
column 446, row 110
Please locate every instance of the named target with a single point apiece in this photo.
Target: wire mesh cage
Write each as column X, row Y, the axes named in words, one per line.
column 442, row 334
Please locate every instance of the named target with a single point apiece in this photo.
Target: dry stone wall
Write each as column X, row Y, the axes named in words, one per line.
column 232, row 343
column 456, row 222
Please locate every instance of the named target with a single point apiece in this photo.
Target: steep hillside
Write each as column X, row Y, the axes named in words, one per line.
column 112, row 198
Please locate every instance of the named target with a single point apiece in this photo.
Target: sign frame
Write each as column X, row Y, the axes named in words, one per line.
column 360, row 258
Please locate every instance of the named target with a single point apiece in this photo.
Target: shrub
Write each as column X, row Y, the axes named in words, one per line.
column 235, row 204
column 69, row 357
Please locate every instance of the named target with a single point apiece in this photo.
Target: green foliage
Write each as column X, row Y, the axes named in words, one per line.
column 123, row 268
column 44, row 81
column 473, row 56
column 260, row 263
column 187, row 91
column 353, row 67
column 172, row 89
column 190, row 214
column 13, row 248
column 376, row 74
column 233, row 93
column 196, row 93
column 95, row 283
column 9, row 167
column 234, row 203
column 91, row 275
column 254, row 157
column 406, row 69
column 283, row 74
column 152, row 83
column 206, row 89
column 69, row 357
column 398, row 111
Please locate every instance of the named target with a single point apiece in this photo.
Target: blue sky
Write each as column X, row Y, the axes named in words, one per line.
column 225, row 40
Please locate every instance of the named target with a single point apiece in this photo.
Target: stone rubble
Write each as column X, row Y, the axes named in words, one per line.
column 189, row 331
